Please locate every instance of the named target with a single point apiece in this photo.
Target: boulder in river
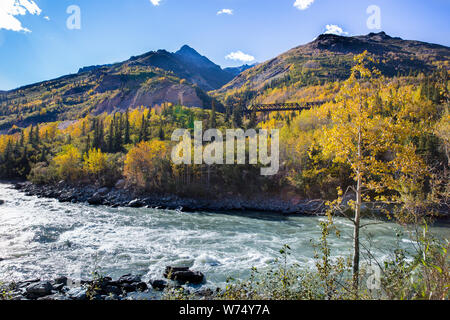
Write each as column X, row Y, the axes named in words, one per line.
column 112, row 290
column 77, row 294
column 39, row 289
column 120, row 184
column 136, row 203
column 61, row 280
column 103, row 191
column 96, row 199
column 55, row 297
column 158, row 284
column 147, row 295
column 129, row 278
column 184, row 275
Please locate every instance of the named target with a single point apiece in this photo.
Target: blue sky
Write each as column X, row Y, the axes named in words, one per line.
column 36, row 45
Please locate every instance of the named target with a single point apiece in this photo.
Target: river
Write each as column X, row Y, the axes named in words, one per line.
column 42, row 238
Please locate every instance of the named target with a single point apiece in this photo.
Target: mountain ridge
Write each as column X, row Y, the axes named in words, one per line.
column 189, row 78
column 153, row 78
column 329, row 58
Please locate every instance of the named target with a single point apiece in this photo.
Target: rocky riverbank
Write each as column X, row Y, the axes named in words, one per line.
column 127, row 287
column 119, row 197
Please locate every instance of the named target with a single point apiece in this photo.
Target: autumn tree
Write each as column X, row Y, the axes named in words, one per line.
column 68, row 164
column 95, row 163
column 372, row 141
column 144, row 164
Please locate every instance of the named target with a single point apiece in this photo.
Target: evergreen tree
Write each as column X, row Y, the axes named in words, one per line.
column 118, row 134
column 22, row 139
column 31, row 135
column 36, row 135
column 237, row 117
column 127, row 139
column 253, row 120
column 212, row 119
column 111, row 137
column 227, row 114
column 87, row 145
column 143, row 133
column 161, row 133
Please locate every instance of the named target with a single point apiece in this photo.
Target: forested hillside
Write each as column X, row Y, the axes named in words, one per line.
column 135, row 145
column 115, row 122
column 328, row 59
column 151, row 79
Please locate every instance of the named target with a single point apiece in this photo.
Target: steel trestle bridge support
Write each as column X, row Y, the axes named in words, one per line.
column 272, row 107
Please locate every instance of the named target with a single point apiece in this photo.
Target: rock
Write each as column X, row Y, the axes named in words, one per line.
column 103, row 191
column 17, row 297
column 193, row 277
column 136, row 203
column 40, row 289
column 61, row 280
column 19, row 186
column 174, row 269
column 141, row 286
column 207, row 293
column 66, row 197
column 27, row 283
column 126, row 287
column 112, row 297
column 158, row 284
column 59, row 286
column 112, row 290
column 184, row 275
column 96, row 199
column 77, row 294
column 120, row 184
column 129, row 279
column 141, row 296
column 55, row 297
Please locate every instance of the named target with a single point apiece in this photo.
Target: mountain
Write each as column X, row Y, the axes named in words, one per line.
column 193, row 80
column 235, row 71
column 329, row 58
column 202, row 71
column 150, row 79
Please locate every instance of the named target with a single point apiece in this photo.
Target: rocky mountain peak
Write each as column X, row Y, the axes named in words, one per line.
column 187, row 50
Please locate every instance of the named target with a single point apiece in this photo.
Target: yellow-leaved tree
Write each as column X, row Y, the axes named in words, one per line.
column 95, row 163
column 144, row 164
column 373, row 139
column 68, row 164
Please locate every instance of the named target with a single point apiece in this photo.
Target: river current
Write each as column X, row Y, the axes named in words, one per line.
column 42, row 238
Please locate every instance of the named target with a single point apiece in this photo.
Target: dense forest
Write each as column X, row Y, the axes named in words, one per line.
column 135, row 144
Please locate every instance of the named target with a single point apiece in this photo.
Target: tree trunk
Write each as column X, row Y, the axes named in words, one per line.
column 357, row 218
column 356, row 237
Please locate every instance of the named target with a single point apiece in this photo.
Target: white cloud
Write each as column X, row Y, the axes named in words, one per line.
column 240, row 56
column 334, row 29
column 225, row 11
column 155, row 2
column 9, row 9
column 303, row 4
column 47, row 18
